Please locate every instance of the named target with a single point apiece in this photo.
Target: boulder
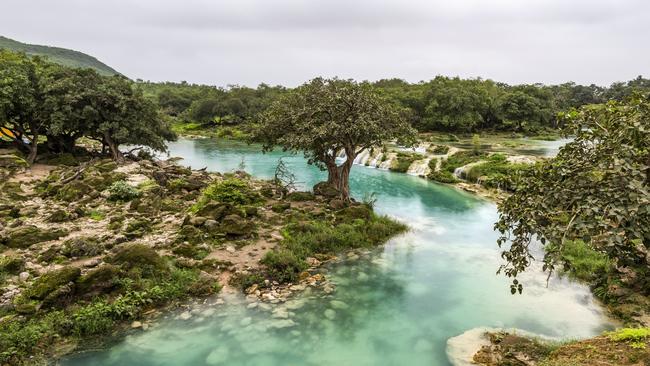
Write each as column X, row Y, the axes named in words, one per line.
column 214, row 210
column 98, row 280
column 236, row 225
column 326, row 190
column 140, row 256
column 51, row 281
column 27, row 235
column 281, row 207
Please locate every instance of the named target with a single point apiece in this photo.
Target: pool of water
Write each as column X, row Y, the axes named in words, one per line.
column 395, row 305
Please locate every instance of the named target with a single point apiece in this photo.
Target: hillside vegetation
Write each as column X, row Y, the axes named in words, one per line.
column 58, row 55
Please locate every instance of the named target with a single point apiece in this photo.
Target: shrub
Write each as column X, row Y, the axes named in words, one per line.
column 459, row 159
column 232, row 190
column 442, row 177
column 122, row 191
column 283, row 265
column 404, row 161
column 439, row 149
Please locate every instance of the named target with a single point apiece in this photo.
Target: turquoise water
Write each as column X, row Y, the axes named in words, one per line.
column 395, row 305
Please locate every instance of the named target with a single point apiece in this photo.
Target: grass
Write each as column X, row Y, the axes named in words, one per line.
column 307, row 239
column 21, row 337
column 635, row 337
column 404, row 161
column 495, row 172
column 459, row 159
column 96, row 215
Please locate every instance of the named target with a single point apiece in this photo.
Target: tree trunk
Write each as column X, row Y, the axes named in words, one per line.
column 33, row 151
column 113, row 147
column 339, row 175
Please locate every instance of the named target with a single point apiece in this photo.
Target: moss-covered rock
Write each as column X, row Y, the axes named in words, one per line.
column 99, row 280
column 73, row 191
column 51, row 281
column 82, row 247
column 137, row 228
column 190, row 251
column 28, row 235
column 60, row 215
column 236, row 225
column 140, row 256
column 214, row 210
column 11, row 264
column 326, row 190
column 300, row 196
column 281, row 207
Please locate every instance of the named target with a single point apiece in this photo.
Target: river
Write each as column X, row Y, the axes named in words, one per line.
column 395, row 305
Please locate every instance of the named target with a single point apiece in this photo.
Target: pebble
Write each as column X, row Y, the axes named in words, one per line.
column 230, row 249
column 337, row 304
column 136, row 324
column 185, row 315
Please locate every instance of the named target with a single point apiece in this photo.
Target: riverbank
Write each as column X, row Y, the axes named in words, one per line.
column 95, row 246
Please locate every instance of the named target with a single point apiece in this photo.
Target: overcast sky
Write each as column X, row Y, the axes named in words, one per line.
column 287, row 42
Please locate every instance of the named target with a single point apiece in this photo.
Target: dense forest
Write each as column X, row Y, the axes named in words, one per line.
column 441, row 104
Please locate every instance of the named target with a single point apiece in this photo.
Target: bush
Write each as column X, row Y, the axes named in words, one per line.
column 283, row 265
column 122, row 191
column 459, row 159
column 442, row 177
column 404, row 161
column 439, row 149
column 232, row 190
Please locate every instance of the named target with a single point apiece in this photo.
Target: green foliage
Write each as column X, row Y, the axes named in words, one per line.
column 459, row 159
column 122, row 191
column 496, row 172
column 325, row 117
column 439, row 149
column 302, row 240
column 231, row 190
column 283, row 265
column 582, row 262
column 595, row 190
column 636, row 337
column 404, row 161
column 442, row 177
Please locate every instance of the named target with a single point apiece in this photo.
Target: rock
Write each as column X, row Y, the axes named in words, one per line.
column 300, row 196
column 337, row 204
column 312, row 262
column 27, row 235
column 198, row 220
column 246, row 321
column 92, row 263
column 145, row 326
column 282, row 323
column 51, row 281
column 214, row 210
column 330, row 314
column 136, row 324
column 98, row 280
column 236, row 225
column 337, row 304
column 141, row 256
column 185, row 315
column 23, row 276
column 211, row 224
column 230, row 249
column 281, row 207
column 326, row 190
column 280, row 313
column 218, row 356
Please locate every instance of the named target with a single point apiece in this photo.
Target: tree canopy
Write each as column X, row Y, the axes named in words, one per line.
column 597, row 190
column 40, row 99
column 326, row 117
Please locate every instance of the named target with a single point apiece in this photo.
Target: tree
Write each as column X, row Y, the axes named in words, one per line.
column 325, row 117
column 21, row 98
column 596, row 190
column 68, row 104
column 119, row 114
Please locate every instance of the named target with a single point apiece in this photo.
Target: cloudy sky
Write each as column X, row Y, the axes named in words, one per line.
column 287, row 42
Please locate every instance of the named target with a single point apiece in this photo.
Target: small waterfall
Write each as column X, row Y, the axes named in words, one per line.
column 458, row 172
column 386, row 164
column 419, row 168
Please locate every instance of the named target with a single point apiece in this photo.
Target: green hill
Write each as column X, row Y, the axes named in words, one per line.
column 59, row 55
